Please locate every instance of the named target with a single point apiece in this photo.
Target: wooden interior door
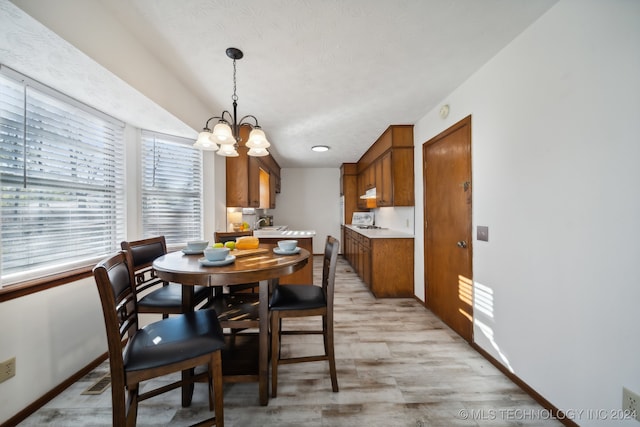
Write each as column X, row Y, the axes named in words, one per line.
column 448, row 251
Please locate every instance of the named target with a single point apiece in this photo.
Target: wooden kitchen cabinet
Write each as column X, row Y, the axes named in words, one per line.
column 347, row 244
column 366, row 181
column 243, row 180
column 369, row 177
column 243, row 177
column 384, row 181
column 401, row 191
column 385, row 265
column 269, row 165
column 305, row 274
column 364, row 258
column 361, row 203
column 277, row 182
column 272, row 190
column 391, row 267
column 349, row 193
column 388, row 166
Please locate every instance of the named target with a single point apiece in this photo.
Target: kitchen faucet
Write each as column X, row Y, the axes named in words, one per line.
column 257, row 224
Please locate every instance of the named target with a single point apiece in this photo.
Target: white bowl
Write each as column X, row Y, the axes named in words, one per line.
column 197, row 245
column 216, row 254
column 287, row 245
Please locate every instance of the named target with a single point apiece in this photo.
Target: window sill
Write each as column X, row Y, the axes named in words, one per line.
column 28, row 287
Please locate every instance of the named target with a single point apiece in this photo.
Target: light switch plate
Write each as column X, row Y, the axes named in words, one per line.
column 483, row 233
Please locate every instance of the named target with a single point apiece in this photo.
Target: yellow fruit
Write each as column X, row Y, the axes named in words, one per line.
column 245, row 225
column 218, row 245
column 247, row 242
column 230, row 244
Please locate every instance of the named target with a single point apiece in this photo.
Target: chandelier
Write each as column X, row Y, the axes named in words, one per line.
column 226, row 133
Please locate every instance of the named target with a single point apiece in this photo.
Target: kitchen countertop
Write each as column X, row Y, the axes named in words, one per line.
column 284, row 234
column 380, row 233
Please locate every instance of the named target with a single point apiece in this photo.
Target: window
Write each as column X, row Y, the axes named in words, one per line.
column 171, row 188
column 62, row 180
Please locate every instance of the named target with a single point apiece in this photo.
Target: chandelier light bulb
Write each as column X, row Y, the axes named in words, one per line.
column 257, row 139
column 222, row 134
column 204, row 141
column 228, row 150
column 257, row 152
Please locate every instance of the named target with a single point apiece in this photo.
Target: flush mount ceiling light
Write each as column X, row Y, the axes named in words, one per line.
column 226, row 133
column 320, row 148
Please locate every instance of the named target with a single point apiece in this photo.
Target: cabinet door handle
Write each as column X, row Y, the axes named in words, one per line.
column 462, row 244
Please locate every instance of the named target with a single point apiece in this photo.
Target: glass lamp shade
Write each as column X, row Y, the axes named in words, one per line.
column 204, row 142
column 257, row 152
column 222, row 134
column 228, row 150
column 257, row 139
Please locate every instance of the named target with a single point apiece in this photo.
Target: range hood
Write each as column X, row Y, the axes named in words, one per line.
column 369, row 194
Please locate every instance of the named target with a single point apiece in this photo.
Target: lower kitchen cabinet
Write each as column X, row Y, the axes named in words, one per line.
column 305, row 274
column 385, row 265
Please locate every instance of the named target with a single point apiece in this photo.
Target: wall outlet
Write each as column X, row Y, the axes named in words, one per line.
column 631, row 403
column 7, row 369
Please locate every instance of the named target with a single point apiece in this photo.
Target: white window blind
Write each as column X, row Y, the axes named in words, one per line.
column 171, row 188
column 62, row 180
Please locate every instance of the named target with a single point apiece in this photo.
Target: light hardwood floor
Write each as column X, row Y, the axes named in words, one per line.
column 398, row 365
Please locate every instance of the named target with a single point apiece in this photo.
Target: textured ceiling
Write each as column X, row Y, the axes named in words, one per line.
column 332, row 72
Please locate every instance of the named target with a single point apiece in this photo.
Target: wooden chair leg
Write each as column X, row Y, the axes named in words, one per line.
column 119, row 406
column 215, row 369
column 187, row 390
column 332, row 358
column 132, row 405
column 210, row 376
column 325, row 335
column 275, row 352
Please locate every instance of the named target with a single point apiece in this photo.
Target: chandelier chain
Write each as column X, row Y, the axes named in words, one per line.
column 234, row 97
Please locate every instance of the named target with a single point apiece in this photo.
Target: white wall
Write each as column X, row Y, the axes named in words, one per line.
column 399, row 218
column 52, row 334
column 555, row 152
column 310, row 200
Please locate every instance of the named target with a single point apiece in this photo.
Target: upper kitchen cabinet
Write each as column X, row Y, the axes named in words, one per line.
column 348, row 190
column 387, row 166
column 243, row 180
column 252, row 182
column 384, row 180
column 268, row 164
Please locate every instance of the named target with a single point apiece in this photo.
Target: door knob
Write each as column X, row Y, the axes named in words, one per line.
column 462, row 244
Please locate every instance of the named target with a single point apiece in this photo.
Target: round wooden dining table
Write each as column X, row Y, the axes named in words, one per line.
column 260, row 265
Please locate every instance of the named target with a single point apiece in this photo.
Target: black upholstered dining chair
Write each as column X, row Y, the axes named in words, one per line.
column 162, row 297
column 305, row 300
column 181, row 342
